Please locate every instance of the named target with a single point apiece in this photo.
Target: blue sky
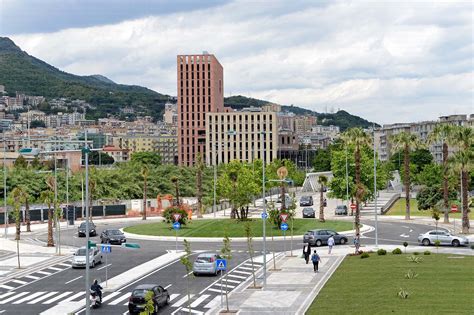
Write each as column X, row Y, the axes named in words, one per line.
column 392, row 61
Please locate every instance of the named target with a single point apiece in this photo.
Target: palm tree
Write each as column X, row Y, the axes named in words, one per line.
column 145, row 173
column 175, row 182
column 323, row 181
column 463, row 139
column 199, row 171
column 358, row 138
column 407, row 142
column 443, row 133
column 47, row 196
column 26, row 196
column 17, row 195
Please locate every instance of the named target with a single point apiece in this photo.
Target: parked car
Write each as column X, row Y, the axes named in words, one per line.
column 205, row 263
column 306, row 201
column 341, row 210
column 112, row 236
column 320, row 237
column 444, row 237
column 79, row 258
column 81, row 230
column 136, row 302
column 308, row 213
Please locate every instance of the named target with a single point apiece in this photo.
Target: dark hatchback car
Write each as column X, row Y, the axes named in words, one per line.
column 81, row 230
column 137, row 302
column 308, row 213
column 306, row 201
column 320, row 237
column 112, row 236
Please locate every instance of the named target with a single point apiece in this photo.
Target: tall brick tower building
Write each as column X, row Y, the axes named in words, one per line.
column 200, row 90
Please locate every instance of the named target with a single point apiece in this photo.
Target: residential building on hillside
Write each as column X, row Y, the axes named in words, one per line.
column 119, row 155
column 170, row 116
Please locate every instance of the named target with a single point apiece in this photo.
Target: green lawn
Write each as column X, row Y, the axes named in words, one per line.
column 370, row 286
column 398, row 208
column 234, row 228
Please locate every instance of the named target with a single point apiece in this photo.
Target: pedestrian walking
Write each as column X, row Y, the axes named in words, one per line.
column 316, row 260
column 306, row 252
column 357, row 243
column 330, row 243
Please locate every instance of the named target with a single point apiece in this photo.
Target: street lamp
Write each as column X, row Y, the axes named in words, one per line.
column 86, row 151
column 264, row 219
column 375, row 193
column 5, row 213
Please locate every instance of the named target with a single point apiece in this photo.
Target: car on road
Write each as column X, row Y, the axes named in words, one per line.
column 320, row 237
column 341, row 210
column 81, row 230
column 112, row 236
column 137, row 300
column 79, row 257
column 308, row 213
column 444, row 238
column 306, row 201
column 205, row 263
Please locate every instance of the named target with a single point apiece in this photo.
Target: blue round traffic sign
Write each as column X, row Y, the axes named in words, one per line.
column 284, row 226
column 264, row 215
column 176, row 225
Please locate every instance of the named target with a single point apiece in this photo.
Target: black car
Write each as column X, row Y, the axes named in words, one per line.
column 308, row 213
column 306, row 201
column 137, row 302
column 112, row 236
column 81, row 230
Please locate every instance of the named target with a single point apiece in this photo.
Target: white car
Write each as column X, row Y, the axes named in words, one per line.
column 444, row 238
column 79, row 258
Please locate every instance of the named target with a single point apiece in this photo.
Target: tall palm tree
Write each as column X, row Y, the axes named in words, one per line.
column 47, row 196
column 407, row 142
column 443, row 133
column 463, row 138
column 175, row 181
column 26, row 198
column 322, row 181
column 17, row 195
column 357, row 138
column 144, row 173
column 199, row 172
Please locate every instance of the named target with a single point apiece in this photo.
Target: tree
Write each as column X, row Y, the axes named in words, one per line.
column 463, row 139
column 226, row 253
column 420, row 157
column 151, row 159
column 26, row 198
column 47, row 196
column 37, row 124
column 322, row 160
column 322, row 181
column 431, row 176
column 99, row 158
column 149, row 304
column 406, row 142
column 357, row 138
column 186, row 261
column 428, row 197
column 20, row 162
column 249, row 235
column 144, row 173
column 17, row 196
column 199, row 173
column 175, row 181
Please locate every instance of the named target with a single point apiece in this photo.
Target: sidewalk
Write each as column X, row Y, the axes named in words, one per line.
column 292, row 289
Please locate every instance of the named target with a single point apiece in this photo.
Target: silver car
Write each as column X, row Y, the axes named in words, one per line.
column 79, row 258
column 206, row 264
column 444, row 238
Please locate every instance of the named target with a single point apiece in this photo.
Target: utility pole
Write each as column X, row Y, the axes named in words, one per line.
column 86, row 157
column 215, row 176
column 264, row 219
column 67, row 193
column 5, row 213
column 375, row 194
column 347, row 178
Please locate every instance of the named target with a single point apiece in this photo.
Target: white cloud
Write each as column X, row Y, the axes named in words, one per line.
column 386, row 62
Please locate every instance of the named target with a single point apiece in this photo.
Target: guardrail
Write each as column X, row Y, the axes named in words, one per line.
column 390, row 203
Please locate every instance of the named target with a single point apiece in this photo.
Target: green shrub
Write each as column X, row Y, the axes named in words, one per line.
column 472, row 246
column 381, row 252
column 416, row 253
column 364, row 255
column 397, row 251
column 168, row 215
column 427, row 252
column 403, row 294
column 415, row 259
column 411, row 274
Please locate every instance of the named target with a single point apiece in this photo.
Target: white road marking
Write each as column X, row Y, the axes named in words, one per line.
column 215, row 290
column 75, row 296
column 173, row 296
column 223, row 285
column 43, row 273
column 199, row 300
column 73, row 280
column 411, row 230
column 31, row 277
column 54, row 299
column 104, row 267
column 248, row 268
column 187, row 274
column 406, row 227
column 65, row 265
column 214, row 302
column 110, row 296
column 242, row 272
column 29, row 297
column 55, row 269
column 18, row 281
column 3, row 311
column 6, row 294
column 236, row 276
column 169, row 285
column 125, row 313
column 44, row 297
column 404, row 235
column 182, row 301
column 120, row 299
column 187, row 310
column 4, row 286
column 11, row 298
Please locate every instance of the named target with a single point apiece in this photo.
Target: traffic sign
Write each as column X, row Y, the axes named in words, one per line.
column 264, row 215
column 284, row 226
column 284, row 216
column 130, row 245
column 454, row 208
column 353, row 206
column 221, row 264
column 91, row 244
column 176, row 217
column 176, row 225
column 105, row 248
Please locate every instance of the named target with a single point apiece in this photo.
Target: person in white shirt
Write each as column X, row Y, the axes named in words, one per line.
column 330, row 243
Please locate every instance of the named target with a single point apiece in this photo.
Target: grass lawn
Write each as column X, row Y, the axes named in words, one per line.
column 398, row 208
column 370, row 286
column 234, row 228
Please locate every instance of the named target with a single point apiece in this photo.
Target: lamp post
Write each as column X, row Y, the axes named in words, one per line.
column 215, row 177
column 5, row 188
column 347, row 179
column 86, row 157
column 264, row 211
column 375, row 194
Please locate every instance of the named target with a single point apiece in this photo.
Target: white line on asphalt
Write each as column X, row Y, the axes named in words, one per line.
column 31, row 277
column 169, row 285
column 242, row 272
column 233, row 281
column 55, row 269
column 18, row 281
column 199, row 300
column 73, row 280
column 223, row 285
column 406, row 227
column 187, row 310
column 214, row 302
column 110, row 296
column 44, row 297
column 29, row 297
column 104, row 267
column 75, row 296
column 411, row 230
column 248, row 268
column 3, row 311
column 173, row 296
column 7, row 294
column 187, row 274
column 43, row 273
column 120, row 299
column 65, row 265
column 182, row 301
column 236, row 276
column 4, row 286
column 404, row 235
column 215, row 290
column 54, row 299
column 11, row 298
column 125, row 313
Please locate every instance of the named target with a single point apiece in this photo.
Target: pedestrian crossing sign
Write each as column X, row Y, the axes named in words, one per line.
column 221, row 264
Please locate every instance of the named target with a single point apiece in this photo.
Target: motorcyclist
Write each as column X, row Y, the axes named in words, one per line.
column 97, row 288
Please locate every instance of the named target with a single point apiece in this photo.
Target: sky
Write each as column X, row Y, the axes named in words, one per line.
column 386, row 61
